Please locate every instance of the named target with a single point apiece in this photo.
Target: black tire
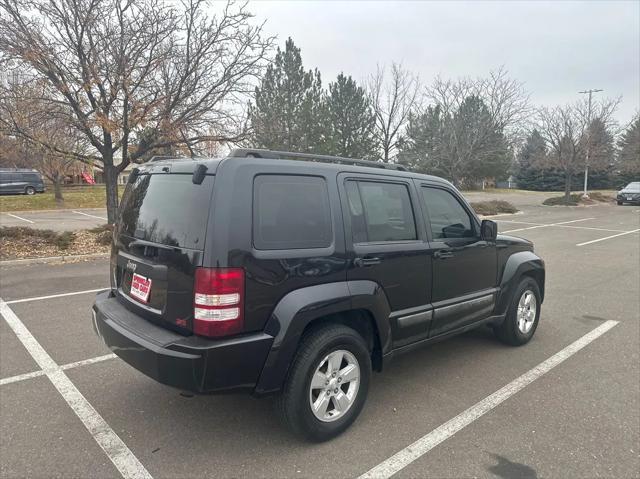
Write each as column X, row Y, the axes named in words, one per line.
column 293, row 403
column 619, row 202
column 508, row 332
column 29, row 190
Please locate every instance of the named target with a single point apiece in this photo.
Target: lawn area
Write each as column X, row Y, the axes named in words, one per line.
column 74, row 197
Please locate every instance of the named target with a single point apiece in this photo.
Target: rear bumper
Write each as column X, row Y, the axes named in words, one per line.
column 188, row 363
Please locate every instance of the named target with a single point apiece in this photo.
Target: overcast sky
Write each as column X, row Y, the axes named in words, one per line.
column 556, row 48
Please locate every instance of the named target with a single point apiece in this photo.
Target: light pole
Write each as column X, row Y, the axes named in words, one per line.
column 586, row 163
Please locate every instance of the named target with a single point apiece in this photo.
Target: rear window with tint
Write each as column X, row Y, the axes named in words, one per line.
column 31, row 177
column 291, row 212
column 380, row 212
column 167, row 209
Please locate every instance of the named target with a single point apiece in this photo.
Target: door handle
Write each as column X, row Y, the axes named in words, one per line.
column 443, row 254
column 362, row 262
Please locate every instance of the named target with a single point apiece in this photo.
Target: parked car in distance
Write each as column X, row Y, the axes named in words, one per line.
column 629, row 194
column 20, row 181
column 299, row 278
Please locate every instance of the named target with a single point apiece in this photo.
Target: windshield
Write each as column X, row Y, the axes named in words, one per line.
column 635, row 186
column 167, row 209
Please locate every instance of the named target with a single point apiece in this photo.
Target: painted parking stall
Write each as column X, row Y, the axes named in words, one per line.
column 452, row 392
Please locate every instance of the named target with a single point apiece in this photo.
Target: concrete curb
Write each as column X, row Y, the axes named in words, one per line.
column 53, row 259
column 502, row 214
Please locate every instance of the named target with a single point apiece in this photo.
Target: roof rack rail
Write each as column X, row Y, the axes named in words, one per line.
column 166, row 157
column 280, row 155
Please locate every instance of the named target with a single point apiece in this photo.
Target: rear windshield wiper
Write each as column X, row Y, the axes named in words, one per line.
column 139, row 242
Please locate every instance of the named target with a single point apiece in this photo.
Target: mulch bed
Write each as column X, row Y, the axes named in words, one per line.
column 20, row 243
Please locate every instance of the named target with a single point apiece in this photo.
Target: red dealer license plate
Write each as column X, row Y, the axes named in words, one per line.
column 140, row 287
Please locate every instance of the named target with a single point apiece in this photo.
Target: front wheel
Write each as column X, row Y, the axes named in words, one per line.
column 522, row 316
column 619, row 202
column 30, row 190
column 328, row 382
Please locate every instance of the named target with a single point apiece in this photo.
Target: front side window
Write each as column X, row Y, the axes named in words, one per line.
column 291, row 212
column 380, row 212
column 447, row 217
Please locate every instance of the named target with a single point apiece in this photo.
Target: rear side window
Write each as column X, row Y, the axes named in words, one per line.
column 447, row 217
column 167, row 209
column 380, row 212
column 291, row 212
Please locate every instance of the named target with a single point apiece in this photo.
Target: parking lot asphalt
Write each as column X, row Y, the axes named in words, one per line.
column 579, row 419
column 57, row 220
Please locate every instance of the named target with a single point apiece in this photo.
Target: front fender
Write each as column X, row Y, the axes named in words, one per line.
column 299, row 308
column 519, row 264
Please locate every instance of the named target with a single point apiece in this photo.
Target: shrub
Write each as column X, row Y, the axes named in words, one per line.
column 63, row 240
column 104, row 234
column 576, row 199
column 573, row 200
column 493, row 207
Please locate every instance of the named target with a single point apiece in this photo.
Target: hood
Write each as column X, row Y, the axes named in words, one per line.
column 514, row 241
column 630, row 189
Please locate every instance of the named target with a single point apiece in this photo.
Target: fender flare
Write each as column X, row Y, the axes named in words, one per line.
column 519, row 264
column 296, row 310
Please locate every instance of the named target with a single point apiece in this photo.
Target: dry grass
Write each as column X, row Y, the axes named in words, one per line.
column 493, row 207
column 18, row 242
column 74, row 197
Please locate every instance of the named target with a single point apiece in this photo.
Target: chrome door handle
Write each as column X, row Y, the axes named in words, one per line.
column 362, row 262
column 443, row 254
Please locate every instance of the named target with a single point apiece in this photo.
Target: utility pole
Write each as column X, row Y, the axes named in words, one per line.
column 586, row 163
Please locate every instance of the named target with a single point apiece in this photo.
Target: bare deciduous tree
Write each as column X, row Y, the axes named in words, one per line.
column 21, row 105
column 393, row 98
column 476, row 123
column 506, row 99
column 564, row 129
column 135, row 75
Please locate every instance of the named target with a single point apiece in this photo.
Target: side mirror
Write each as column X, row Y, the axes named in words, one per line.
column 488, row 230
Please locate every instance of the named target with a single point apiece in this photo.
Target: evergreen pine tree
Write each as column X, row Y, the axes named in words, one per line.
column 351, row 121
column 418, row 147
column 628, row 158
column 529, row 175
column 289, row 113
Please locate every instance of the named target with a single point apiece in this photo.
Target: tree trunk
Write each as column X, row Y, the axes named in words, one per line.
column 57, row 190
column 111, row 182
column 567, row 186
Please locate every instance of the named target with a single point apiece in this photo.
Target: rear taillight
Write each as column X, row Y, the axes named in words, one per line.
column 218, row 303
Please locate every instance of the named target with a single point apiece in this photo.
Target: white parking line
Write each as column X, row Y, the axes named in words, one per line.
column 39, row 298
column 117, row 451
column 563, row 226
column 85, row 362
column 35, row 374
column 406, row 456
column 21, row 377
column 20, row 218
column 607, row 237
column 544, row 226
column 90, row 216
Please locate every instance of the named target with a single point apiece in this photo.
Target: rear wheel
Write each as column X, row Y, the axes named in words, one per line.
column 328, row 382
column 523, row 314
column 30, row 190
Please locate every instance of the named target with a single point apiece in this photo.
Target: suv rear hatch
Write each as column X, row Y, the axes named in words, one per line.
column 159, row 242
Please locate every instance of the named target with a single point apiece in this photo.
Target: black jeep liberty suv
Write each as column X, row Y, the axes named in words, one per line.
column 300, row 276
